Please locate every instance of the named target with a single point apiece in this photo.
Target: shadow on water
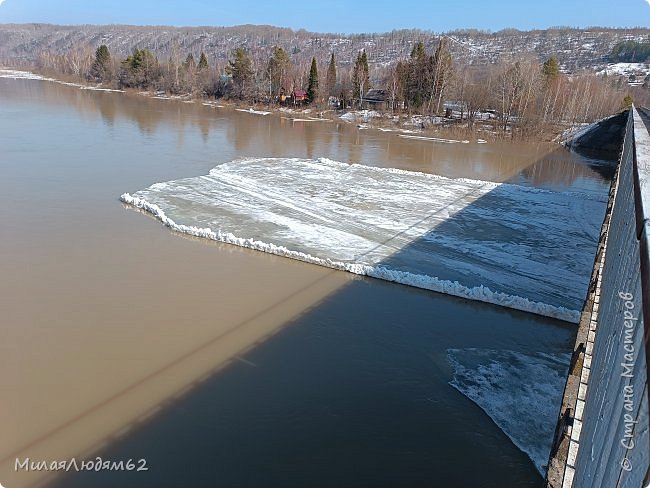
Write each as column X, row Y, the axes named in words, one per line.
column 355, row 390
column 551, row 172
column 352, row 393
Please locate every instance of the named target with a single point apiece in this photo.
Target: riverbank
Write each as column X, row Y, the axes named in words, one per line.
column 455, row 128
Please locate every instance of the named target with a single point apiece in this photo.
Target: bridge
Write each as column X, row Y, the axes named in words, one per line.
column 602, row 437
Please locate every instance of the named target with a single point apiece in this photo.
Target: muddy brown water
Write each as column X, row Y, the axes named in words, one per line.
column 218, row 365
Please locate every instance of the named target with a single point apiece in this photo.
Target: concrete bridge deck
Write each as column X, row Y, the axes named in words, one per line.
column 602, row 437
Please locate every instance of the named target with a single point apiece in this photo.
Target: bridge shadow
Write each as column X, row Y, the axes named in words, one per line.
column 533, row 244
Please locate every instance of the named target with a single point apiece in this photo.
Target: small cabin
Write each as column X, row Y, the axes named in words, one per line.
column 376, row 99
column 299, row 96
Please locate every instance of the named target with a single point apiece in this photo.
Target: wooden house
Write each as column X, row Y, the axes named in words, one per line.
column 299, row 96
column 376, row 99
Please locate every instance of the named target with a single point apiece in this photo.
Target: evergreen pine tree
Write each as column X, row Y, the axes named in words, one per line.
column 330, row 81
column 418, row 51
column 139, row 69
column 441, row 72
column 102, row 56
column 355, row 77
column 278, row 68
column 364, row 62
column 312, row 89
column 241, row 71
column 203, row 62
column 627, row 102
column 101, row 67
column 551, row 69
column 361, row 76
column 189, row 63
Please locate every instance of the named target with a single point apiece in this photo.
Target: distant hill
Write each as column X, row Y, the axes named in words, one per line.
column 575, row 49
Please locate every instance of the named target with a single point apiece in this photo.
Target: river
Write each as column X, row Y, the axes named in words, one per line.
column 222, row 366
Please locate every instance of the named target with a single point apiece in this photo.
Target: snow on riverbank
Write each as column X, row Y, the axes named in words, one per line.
column 21, row 75
column 524, row 248
column 520, row 392
column 360, row 116
column 309, row 119
column 252, row 111
column 435, row 139
column 26, row 75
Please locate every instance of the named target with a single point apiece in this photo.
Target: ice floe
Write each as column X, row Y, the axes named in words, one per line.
column 524, row 248
column 520, row 392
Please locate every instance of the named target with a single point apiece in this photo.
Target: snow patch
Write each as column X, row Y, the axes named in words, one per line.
column 435, row 139
column 625, row 69
column 26, row 75
column 360, row 116
column 18, row 75
column 251, row 111
column 310, row 119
